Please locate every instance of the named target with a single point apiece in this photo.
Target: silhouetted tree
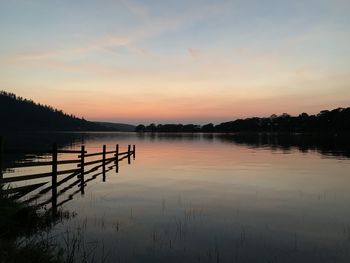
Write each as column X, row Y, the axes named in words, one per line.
column 208, row 128
column 140, row 128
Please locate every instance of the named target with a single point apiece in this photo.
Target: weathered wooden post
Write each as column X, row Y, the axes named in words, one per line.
column 117, row 158
column 54, row 177
column 104, row 163
column 1, row 156
column 82, row 163
column 133, row 152
column 129, row 153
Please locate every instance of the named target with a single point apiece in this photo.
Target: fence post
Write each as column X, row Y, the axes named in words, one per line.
column 117, row 158
column 54, row 177
column 129, row 153
column 133, row 152
column 104, row 163
column 82, row 163
column 1, row 156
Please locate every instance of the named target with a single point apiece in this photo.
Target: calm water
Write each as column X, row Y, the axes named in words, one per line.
column 213, row 198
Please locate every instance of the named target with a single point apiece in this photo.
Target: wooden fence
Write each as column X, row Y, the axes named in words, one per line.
column 84, row 166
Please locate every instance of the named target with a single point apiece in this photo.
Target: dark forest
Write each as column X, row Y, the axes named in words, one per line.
column 337, row 120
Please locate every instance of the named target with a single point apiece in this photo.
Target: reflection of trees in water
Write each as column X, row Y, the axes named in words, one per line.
column 170, row 137
column 326, row 144
column 40, row 141
column 331, row 145
column 24, row 146
column 20, row 146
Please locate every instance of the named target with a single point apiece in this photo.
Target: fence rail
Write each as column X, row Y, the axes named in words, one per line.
column 82, row 162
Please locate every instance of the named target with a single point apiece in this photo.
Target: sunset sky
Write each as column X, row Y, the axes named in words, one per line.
column 177, row 61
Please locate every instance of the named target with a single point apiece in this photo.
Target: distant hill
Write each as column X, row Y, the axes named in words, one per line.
column 118, row 126
column 17, row 113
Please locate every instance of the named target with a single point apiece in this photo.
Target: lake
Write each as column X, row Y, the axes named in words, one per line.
column 209, row 198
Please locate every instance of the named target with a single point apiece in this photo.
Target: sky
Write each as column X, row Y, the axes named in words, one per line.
column 186, row 61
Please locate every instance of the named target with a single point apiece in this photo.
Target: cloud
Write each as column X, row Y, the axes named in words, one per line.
column 152, row 24
column 136, row 9
column 101, row 44
column 195, row 53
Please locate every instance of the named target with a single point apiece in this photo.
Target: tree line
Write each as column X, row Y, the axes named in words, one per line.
column 17, row 113
column 336, row 120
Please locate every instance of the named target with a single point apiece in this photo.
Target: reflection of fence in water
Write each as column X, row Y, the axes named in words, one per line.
column 107, row 160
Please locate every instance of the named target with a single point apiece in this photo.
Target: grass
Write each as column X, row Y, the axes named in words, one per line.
column 24, row 236
column 17, row 219
column 36, row 251
column 18, row 222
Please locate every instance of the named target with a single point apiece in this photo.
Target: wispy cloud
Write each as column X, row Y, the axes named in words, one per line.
column 137, row 9
column 195, row 53
column 152, row 25
column 100, row 44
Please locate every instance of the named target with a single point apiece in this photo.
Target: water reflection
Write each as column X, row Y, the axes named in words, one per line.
column 35, row 186
column 326, row 144
column 219, row 198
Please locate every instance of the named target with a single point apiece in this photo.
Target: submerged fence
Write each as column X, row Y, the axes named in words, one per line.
column 107, row 160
